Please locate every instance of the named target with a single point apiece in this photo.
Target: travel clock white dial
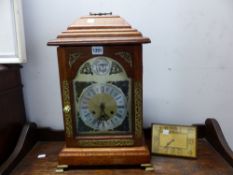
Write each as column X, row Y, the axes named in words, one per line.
column 102, row 106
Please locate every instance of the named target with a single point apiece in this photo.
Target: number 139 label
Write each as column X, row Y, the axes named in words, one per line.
column 97, row 50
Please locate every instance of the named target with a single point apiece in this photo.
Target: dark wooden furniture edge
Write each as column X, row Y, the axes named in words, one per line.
column 26, row 141
column 30, row 134
column 216, row 138
column 211, row 131
column 11, row 97
column 48, row 134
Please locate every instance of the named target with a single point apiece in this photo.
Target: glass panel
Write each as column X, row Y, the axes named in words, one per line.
column 102, row 97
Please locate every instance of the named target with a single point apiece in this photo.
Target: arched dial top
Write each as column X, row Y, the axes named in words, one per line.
column 101, row 69
column 102, row 97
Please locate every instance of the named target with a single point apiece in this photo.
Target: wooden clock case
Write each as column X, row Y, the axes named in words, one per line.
column 124, row 44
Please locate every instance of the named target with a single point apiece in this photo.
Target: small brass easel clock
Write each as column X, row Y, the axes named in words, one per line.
column 100, row 64
column 174, row 140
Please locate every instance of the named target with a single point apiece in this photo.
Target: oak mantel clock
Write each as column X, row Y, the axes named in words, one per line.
column 100, row 64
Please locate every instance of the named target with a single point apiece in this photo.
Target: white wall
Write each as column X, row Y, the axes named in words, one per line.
column 7, row 33
column 188, row 67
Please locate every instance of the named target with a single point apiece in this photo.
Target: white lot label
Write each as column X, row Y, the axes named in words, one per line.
column 166, row 132
column 97, row 50
column 90, row 20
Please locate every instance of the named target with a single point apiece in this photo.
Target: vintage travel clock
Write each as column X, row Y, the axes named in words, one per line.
column 100, row 64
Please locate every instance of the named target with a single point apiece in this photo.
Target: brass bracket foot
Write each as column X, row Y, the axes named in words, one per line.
column 61, row 168
column 148, row 166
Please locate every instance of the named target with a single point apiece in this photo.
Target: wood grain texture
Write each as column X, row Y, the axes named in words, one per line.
column 104, row 156
column 73, row 154
column 107, row 29
column 26, row 141
column 12, row 112
column 215, row 136
column 68, row 73
column 105, row 21
column 121, row 43
column 208, row 162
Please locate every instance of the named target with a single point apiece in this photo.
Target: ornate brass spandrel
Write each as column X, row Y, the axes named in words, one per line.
column 126, row 56
column 115, row 69
column 138, row 108
column 73, row 57
column 101, row 143
column 86, row 69
column 67, row 109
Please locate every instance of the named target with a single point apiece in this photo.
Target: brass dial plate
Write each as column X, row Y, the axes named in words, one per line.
column 102, row 106
column 102, row 98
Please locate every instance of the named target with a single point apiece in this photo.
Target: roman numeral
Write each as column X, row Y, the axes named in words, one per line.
column 118, row 97
column 121, row 106
column 118, row 115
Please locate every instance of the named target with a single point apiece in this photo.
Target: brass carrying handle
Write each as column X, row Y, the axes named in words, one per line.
column 67, row 109
column 99, row 14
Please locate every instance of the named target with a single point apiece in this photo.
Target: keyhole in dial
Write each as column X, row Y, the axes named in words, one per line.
column 112, row 112
column 93, row 112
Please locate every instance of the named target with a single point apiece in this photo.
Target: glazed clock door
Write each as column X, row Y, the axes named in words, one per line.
column 102, row 98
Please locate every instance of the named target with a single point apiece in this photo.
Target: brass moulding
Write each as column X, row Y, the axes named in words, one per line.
column 67, row 109
column 126, row 56
column 73, row 58
column 111, row 142
column 138, row 108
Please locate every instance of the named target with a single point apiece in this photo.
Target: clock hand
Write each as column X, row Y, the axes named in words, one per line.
column 103, row 115
column 168, row 143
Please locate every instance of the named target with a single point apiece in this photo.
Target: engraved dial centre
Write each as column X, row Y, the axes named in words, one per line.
column 102, row 106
